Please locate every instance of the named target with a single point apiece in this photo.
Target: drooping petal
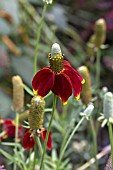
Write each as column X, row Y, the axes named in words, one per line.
column 49, row 142
column 43, row 81
column 67, row 66
column 28, row 140
column 62, row 87
column 9, row 127
column 76, row 80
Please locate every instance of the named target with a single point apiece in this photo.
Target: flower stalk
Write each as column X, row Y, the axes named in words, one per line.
column 48, row 130
column 38, row 38
column 111, row 139
column 98, row 57
column 94, row 140
column 16, row 136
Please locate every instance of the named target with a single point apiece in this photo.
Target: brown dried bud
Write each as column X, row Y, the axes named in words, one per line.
column 100, row 32
column 18, row 93
column 109, row 164
column 36, row 115
column 86, row 94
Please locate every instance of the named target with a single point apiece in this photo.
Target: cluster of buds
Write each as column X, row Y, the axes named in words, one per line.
column 98, row 38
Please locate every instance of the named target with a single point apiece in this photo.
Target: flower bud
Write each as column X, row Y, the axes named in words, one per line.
column 48, row 1
column 18, row 93
column 86, row 93
column 90, row 46
column 36, row 114
column 88, row 111
column 100, row 32
column 108, row 105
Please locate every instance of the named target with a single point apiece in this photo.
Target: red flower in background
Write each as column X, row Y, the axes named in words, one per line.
column 29, row 141
column 8, row 127
column 60, row 77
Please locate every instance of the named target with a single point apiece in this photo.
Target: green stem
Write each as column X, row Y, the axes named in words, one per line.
column 111, row 140
column 34, row 161
column 98, row 56
column 48, row 130
column 39, row 145
column 94, row 140
column 29, row 165
column 69, row 139
column 16, row 136
column 38, row 38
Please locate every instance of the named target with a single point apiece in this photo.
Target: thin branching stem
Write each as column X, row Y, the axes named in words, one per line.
column 38, row 38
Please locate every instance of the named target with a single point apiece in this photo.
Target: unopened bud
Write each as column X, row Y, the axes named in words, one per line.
column 108, row 105
column 90, row 46
column 88, row 111
column 86, row 93
column 100, row 32
column 18, row 93
column 48, row 1
column 36, row 114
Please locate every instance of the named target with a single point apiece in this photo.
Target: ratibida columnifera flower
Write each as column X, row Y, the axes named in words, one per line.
column 86, row 94
column 36, row 113
column 18, row 93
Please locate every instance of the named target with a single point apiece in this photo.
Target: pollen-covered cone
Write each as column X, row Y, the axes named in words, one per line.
column 86, row 93
column 100, row 32
column 18, row 93
column 36, row 114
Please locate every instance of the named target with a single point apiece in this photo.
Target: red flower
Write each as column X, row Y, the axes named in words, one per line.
column 9, row 128
column 29, row 142
column 60, row 77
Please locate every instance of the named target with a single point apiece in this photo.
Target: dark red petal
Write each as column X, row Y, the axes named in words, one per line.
column 28, row 140
column 43, row 81
column 67, row 66
column 66, row 63
column 75, row 78
column 62, row 87
column 49, row 142
column 9, row 127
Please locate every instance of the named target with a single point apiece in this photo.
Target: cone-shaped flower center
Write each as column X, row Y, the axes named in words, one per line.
column 56, row 63
column 56, row 59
